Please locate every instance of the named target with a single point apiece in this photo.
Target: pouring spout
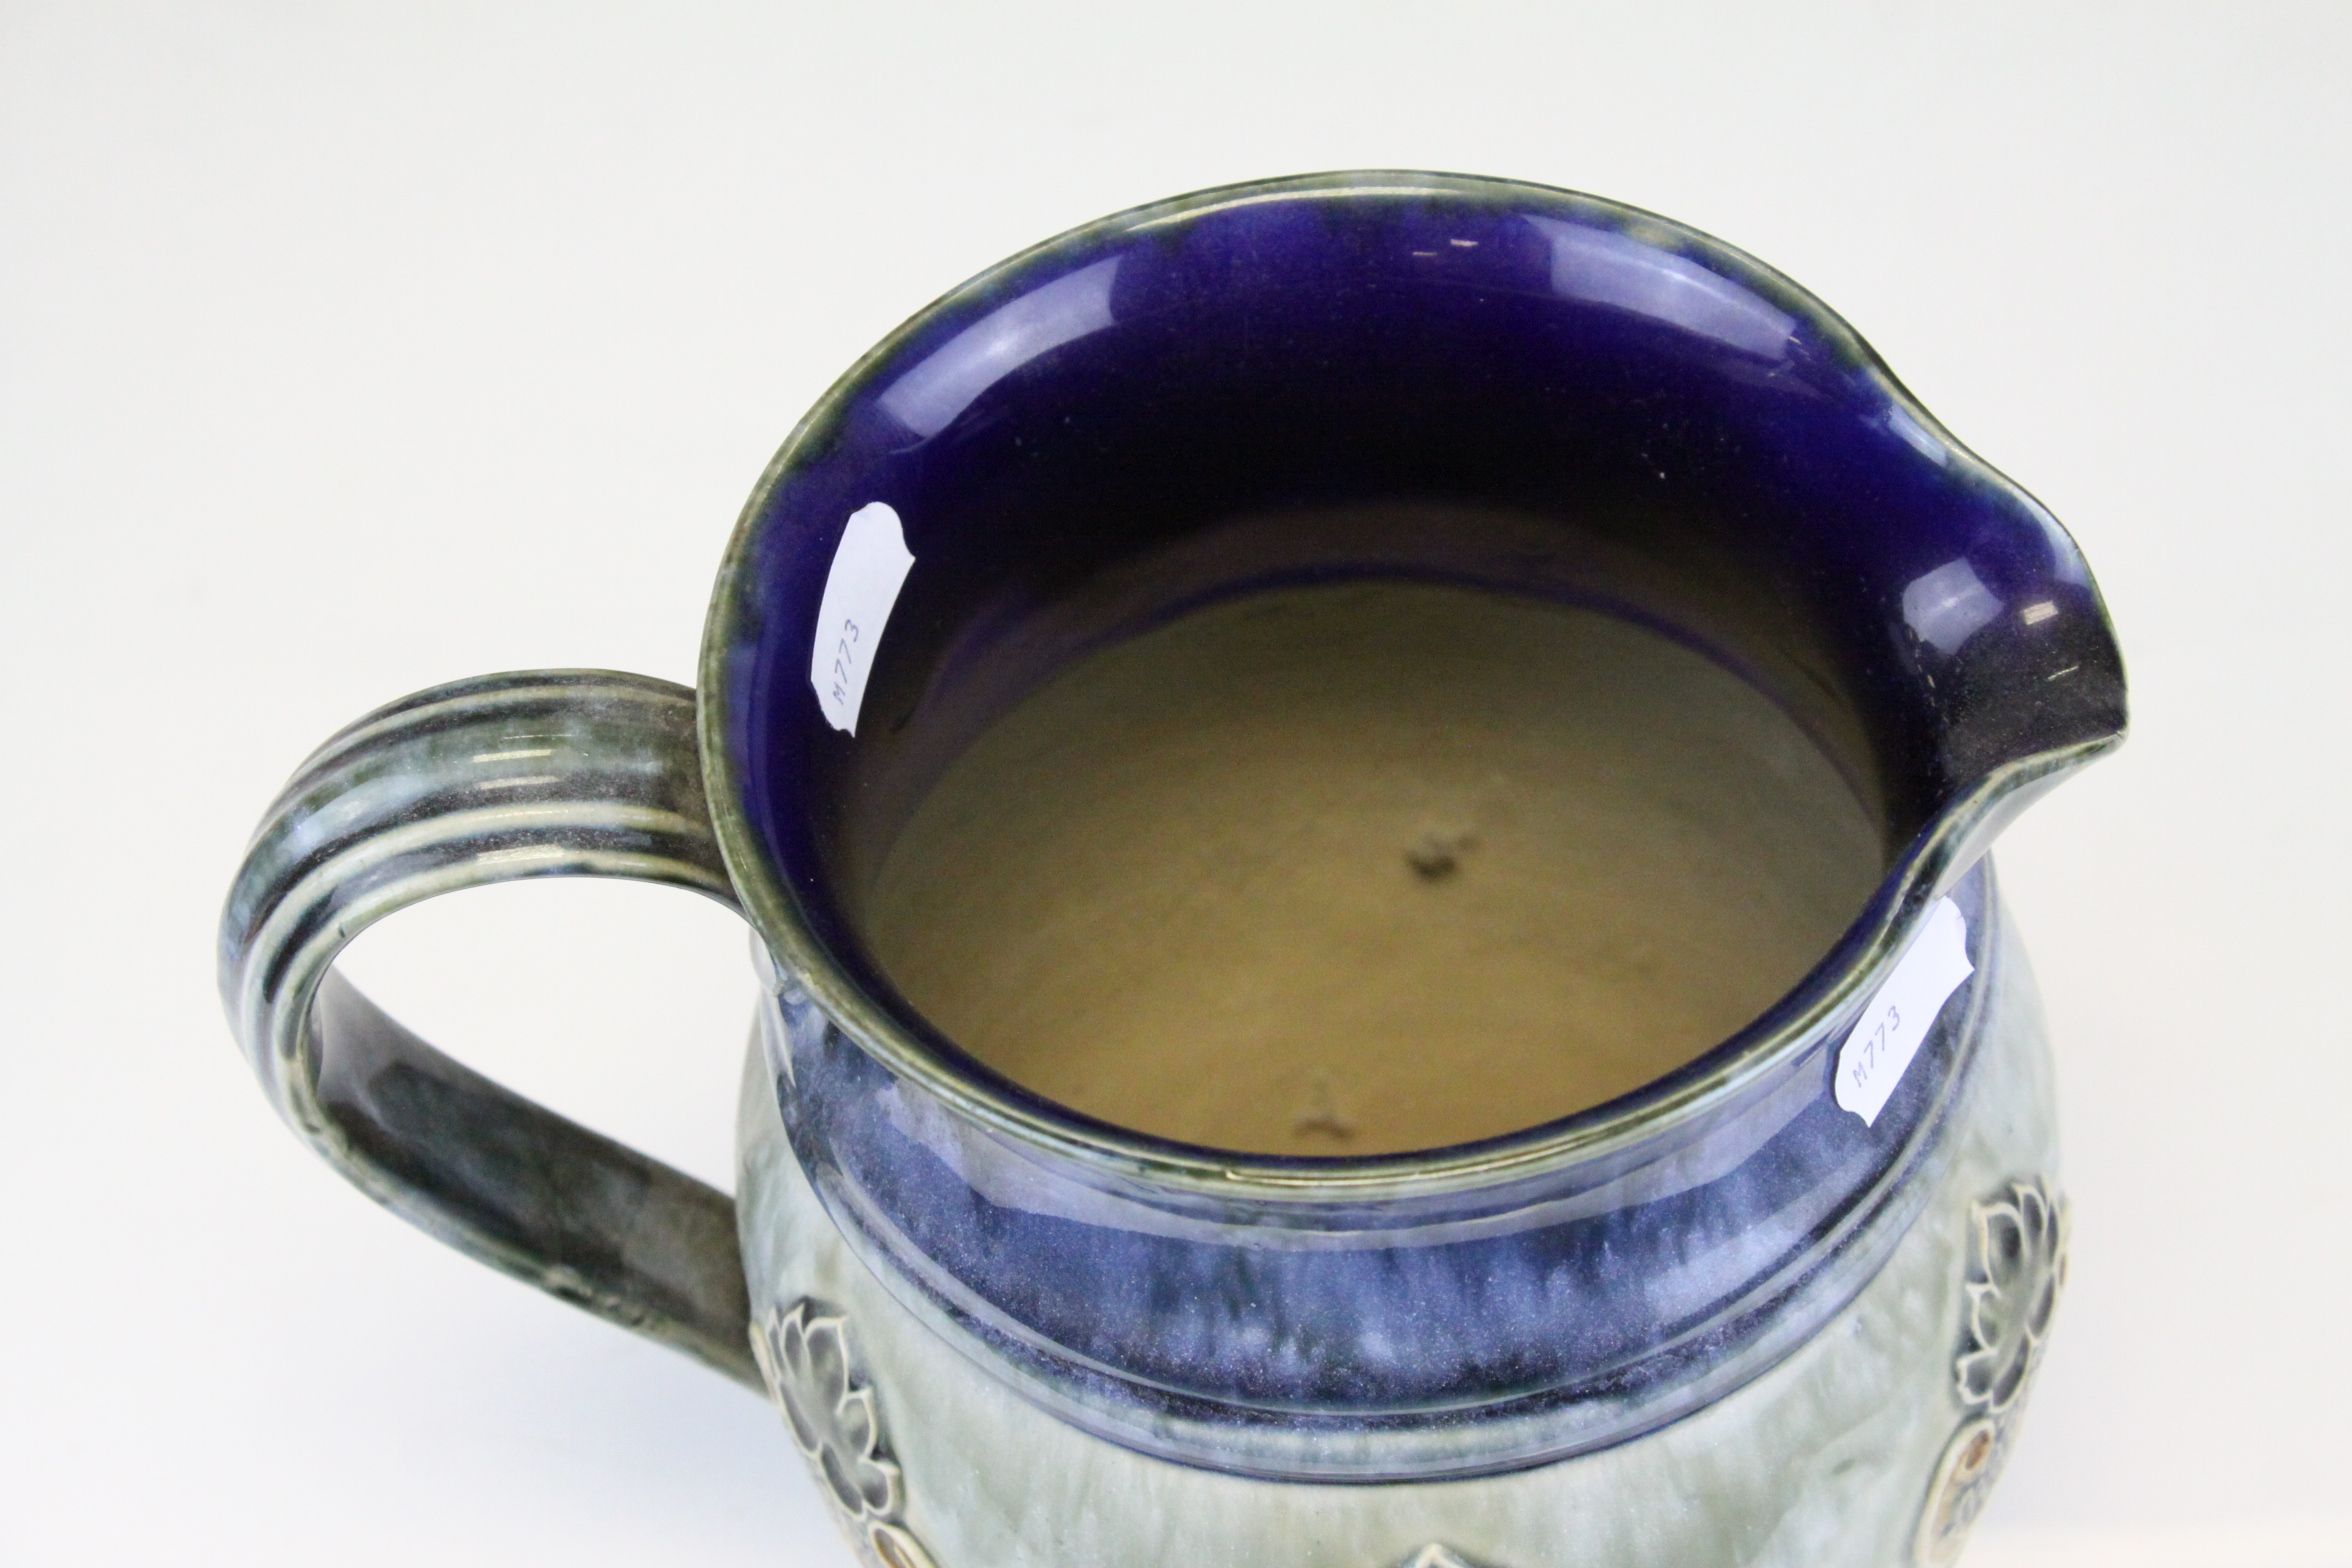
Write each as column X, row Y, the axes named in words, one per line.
column 2015, row 653
column 2015, row 677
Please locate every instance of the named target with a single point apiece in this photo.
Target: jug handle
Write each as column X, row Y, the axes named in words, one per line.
column 531, row 774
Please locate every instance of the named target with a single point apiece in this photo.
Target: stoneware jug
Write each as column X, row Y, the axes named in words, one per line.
column 1781, row 1306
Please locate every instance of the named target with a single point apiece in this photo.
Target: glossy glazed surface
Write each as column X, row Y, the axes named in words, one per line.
column 1566, row 1307
column 1070, row 439
column 1095, row 436
column 1872, row 1443
column 1616, row 1321
column 531, row 774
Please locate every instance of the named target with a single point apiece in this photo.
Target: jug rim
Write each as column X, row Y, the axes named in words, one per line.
column 1806, row 1017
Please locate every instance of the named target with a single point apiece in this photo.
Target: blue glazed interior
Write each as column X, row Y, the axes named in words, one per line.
column 1645, row 417
column 1617, row 410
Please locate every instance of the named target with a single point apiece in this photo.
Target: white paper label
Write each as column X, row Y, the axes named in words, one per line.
column 1876, row 1054
column 869, row 567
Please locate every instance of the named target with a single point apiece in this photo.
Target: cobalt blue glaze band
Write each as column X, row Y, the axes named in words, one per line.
column 1563, row 1309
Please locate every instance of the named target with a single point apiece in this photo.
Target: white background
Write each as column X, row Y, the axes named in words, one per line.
column 346, row 349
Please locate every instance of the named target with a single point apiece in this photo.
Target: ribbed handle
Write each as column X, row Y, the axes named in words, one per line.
column 555, row 773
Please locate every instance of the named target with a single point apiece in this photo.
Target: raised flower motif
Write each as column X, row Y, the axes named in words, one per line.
column 806, row 1360
column 2017, row 1268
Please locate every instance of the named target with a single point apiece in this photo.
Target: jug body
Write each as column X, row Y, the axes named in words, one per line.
column 1848, row 1403
column 1780, row 1303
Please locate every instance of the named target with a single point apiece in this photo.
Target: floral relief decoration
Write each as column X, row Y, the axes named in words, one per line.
column 806, row 1357
column 2016, row 1272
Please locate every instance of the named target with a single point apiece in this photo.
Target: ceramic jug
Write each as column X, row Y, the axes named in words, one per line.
column 1781, row 1306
